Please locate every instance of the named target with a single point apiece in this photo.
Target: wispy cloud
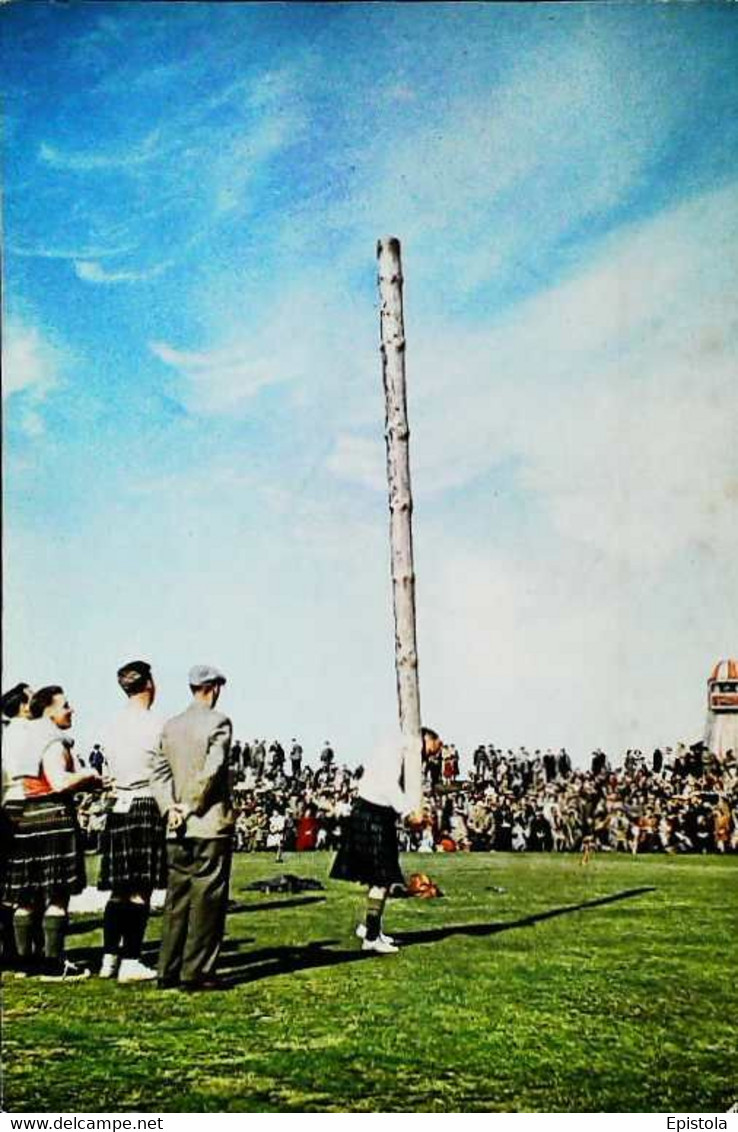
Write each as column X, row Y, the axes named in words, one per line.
column 512, row 170
column 31, row 370
column 68, row 253
column 219, row 380
column 30, row 362
column 141, row 154
column 310, row 338
column 92, row 272
column 236, row 167
column 197, row 166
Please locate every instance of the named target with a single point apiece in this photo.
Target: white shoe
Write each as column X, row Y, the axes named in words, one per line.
column 380, row 945
column 361, row 933
column 133, row 971
column 109, row 966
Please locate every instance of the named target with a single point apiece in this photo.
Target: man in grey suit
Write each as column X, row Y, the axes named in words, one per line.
column 190, row 783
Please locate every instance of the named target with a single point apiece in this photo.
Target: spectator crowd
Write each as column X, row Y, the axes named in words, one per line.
column 681, row 800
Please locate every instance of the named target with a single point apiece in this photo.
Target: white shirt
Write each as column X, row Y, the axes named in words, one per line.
column 15, row 755
column 130, row 744
column 380, row 783
column 15, row 738
column 30, row 746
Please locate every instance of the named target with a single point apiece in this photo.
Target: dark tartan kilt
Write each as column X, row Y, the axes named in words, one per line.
column 45, row 858
column 6, row 838
column 368, row 851
column 133, row 849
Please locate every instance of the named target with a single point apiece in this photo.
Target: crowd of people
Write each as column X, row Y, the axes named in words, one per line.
column 680, row 800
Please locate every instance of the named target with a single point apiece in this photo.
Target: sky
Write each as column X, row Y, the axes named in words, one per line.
column 194, row 467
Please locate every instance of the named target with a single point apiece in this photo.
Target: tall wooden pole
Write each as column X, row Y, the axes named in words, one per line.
column 397, row 435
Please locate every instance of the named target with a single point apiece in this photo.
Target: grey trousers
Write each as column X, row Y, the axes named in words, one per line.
column 195, row 909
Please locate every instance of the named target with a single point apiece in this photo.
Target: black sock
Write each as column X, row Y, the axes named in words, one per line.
column 23, row 932
column 134, row 929
column 55, row 928
column 113, row 926
column 374, row 909
column 7, row 935
column 373, row 925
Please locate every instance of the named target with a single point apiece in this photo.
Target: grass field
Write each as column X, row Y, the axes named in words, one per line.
column 611, row 987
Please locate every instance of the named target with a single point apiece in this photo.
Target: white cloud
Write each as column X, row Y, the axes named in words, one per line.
column 30, row 362
column 219, row 380
column 31, row 370
column 70, row 253
column 236, row 166
column 268, row 115
column 89, row 161
column 297, row 341
column 92, row 272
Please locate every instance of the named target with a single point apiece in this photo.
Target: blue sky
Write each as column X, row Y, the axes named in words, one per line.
column 192, row 396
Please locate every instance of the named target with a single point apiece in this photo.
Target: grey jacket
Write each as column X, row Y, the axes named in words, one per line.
column 191, row 769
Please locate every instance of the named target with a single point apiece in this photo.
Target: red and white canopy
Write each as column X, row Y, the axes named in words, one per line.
column 724, row 670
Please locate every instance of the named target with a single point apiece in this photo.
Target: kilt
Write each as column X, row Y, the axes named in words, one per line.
column 133, row 850
column 45, row 858
column 368, row 851
column 6, row 840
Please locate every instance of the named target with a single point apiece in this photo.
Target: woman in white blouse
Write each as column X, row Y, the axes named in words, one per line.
column 46, row 859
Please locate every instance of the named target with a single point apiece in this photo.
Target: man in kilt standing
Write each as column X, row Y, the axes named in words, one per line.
column 133, row 843
column 15, row 714
column 46, row 858
column 369, row 850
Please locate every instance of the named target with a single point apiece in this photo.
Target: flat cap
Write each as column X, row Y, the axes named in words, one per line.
column 205, row 674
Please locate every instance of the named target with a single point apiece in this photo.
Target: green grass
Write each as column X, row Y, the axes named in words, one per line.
column 556, row 1003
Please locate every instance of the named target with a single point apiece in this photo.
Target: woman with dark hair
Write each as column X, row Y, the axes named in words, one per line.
column 46, row 859
column 15, row 705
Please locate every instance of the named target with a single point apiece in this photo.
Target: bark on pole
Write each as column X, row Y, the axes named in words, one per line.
column 397, row 435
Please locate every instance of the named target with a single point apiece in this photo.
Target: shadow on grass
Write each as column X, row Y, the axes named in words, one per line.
column 432, row 935
column 236, row 968
column 82, row 927
column 91, row 955
column 272, row 905
column 267, row 962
